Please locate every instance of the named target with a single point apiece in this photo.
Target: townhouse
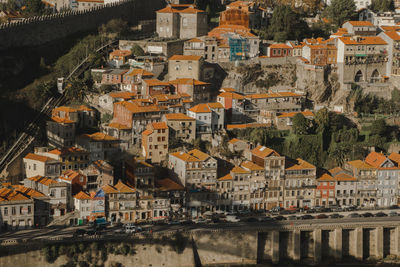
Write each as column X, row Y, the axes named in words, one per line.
column 133, row 79
column 35, row 164
column 393, row 64
column 325, row 191
column 70, row 158
column 198, row 91
column 300, row 184
column 346, row 187
column 121, row 203
column 16, row 210
column 274, row 165
column 98, row 173
column 180, row 127
column 209, row 117
column 186, row 67
column 76, row 179
column 155, row 142
column 99, row 145
column 83, row 204
column 233, row 105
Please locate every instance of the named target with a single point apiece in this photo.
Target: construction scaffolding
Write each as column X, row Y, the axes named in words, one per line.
column 239, row 48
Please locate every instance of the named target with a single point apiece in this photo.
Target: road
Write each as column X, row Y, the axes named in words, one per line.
column 50, row 233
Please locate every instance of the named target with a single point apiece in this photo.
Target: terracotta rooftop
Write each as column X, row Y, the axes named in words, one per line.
column 182, row 57
column 83, row 196
column 375, row 159
column 99, row 137
column 178, row 117
column 167, row 184
column 262, row 152
column 41, row 158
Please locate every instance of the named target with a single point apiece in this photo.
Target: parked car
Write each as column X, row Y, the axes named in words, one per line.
column 292, row 218
column 393, row 207
column 353, row 215
column 312, row 210
column 326, row 210
column 335, row 216
column 279, row 218
column 380, row 214
column 251, row 220
column 393, row 214
column 79, row 232
column 321, row 216
column 349, row 208
column 131, row 228
column 368, row 214
column 265, row 219
column 232, row 218
column 307, row 217
column 176, row 222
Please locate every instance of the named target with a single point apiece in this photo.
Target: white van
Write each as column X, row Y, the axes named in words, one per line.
column 232, row 218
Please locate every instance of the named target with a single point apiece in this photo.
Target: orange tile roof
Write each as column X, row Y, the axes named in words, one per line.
column 280, row 46
column 155, row 82
column 69, row 175
column 292, row 114
column 28, row 191
column 262, row 152
column 195, row 40
column 335, row 171
column 393, row 35
column 159, row 125
column 271, row 95
column 200, row 108
column 234, row 141
column 41, row 158
column 245, row 126
column 167, row 184
column 67, row 150
column 121, row 53
column 191, row 156
column 83, row 196
column 178, row 117
column 326, row 177
column 191, row 10
column 361, row 23
column 42, row 180
column 123, row 188
column 119, row 126
column 109, row 189
column 344, row 177
column 168, row 9
column 99, row 137
column 225, row 178
column 135, row 108
column 182, row 57
column 65, row 109
column 141, row 72
column 124, row 95
column 215, row 105
column 188, row 81
column 390, row 28
column 147, row 132
column 251, row 166
column 359, row 164
column 61, row 120
column 375, row 159
column 239, row 170
column 395, row 157
column 366, row 40
column 299, row 164
column 231, row 95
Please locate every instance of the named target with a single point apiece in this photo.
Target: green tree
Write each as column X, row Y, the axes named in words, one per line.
column 35, row 8
column 322, row 120
column 137, row 50
column 379, row 127
column 285, row 21
column 382, row 5
column 300, row 124
column 76, row 90
column 115, row 28
column 340, row 10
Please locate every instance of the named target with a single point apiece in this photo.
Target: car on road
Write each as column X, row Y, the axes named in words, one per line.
column 380, row 214
column 353, row 215
column 312, row 210
column 322, row 216
column 335, row 216
column 251, row 220
column 265, row 219
column 367, row 214
column 292, row 218
column 393, row 214
column 79, row 232
column 279, row 218
column 232, row 218
column 177, row 222
column 307, row 217
column 393, row 207
column 349, row 208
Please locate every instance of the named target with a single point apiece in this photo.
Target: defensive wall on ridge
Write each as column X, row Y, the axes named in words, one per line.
column 42, row 29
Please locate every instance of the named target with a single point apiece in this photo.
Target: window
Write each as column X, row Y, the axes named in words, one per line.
column 63, row 193
column 13, row 211
column 5, row 211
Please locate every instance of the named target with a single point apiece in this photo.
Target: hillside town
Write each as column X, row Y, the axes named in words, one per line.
column 166, row 141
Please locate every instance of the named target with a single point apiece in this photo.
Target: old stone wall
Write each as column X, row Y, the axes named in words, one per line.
column 39, row 30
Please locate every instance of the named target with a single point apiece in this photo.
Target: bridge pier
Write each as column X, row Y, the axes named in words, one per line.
column 379, row 242
column 275, row 247
column 397, row 241
column 358, row 243
column 317, row 245
column 338, row 247
column 296, row 245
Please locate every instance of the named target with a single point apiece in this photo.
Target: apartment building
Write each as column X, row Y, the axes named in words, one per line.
column 393, row 64
column 198, row 91
column 186, row 67
column 35, row 164
column 121, row 203
column 99, row 145
column 209, row 117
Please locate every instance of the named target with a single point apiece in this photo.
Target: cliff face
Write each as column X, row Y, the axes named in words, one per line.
column 258, row 77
